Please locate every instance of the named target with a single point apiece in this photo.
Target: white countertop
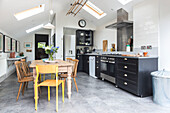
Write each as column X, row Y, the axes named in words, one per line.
column 12, row 59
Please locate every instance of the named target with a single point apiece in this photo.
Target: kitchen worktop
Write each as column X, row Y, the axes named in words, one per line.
column 15, row 59
column 118, row 56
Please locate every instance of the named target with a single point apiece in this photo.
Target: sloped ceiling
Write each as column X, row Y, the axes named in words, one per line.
column 8, row 8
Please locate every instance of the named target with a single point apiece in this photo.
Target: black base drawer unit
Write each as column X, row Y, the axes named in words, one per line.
column 133, row 75
column 127, row 85
column 127, row 76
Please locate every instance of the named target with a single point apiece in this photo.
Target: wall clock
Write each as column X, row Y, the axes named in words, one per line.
column 82, row 23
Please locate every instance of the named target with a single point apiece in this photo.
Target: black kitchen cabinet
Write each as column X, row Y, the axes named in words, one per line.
column 97, row 66
column 86, row 64
column 80, row 65
column 133, row 75
column 84, row 38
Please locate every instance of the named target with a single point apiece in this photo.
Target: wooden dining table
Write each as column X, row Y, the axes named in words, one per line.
column 63, row 67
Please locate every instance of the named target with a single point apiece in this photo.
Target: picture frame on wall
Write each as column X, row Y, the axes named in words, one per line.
column 17, row 46
column 13, row 45
column 1, row 42
column 27, row 45
column 8, row 44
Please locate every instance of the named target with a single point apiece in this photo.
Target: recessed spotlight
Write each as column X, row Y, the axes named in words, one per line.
column 124, row 2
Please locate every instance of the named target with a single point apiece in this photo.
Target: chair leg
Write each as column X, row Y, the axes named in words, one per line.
column 36, row 98
column 40, row 78
column 39, row 90
column 75, row 84
column 64, row 83
column 63, row 90
column 43, row 77
column 23, row 88
column 57, row 98
column 19, row 91
column 48, row 93
column 27, row 85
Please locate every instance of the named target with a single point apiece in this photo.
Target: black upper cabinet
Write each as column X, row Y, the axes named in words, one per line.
column 84, row 38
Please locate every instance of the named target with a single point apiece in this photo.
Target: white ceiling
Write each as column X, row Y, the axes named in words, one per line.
column 8, row 8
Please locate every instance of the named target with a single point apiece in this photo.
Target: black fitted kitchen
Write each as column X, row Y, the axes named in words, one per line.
column 131, row 74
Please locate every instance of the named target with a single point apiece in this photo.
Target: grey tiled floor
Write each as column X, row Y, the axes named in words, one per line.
column 94, row 96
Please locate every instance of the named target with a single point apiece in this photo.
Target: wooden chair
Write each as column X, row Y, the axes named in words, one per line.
column 26, row 68
column 69, row 59
column 74, row 74
column 48, row 69
column 22, row 79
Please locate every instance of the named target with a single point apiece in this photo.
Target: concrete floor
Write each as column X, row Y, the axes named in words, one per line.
column 94, row 96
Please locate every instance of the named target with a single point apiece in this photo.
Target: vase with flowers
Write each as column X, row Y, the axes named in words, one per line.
column 50, row 50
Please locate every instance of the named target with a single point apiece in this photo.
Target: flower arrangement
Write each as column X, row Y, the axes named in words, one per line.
column 50, row 50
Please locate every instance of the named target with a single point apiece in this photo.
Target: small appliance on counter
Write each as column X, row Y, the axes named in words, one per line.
column 87, row 50
column 21, row 54
column 12, row 55
column 81, row 51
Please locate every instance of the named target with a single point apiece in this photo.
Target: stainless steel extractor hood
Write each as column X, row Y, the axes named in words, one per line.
column 122, row 20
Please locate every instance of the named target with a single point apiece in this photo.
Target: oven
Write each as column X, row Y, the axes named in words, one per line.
column 108, row 68
column 111, row 67
column 104, row 65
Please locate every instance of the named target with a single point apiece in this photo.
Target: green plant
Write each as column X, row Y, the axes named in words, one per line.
column 50, row 50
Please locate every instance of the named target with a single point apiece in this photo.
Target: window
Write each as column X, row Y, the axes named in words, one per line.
column 34, row 28
column 124, row 2
column 94, row 10
column 29, row 12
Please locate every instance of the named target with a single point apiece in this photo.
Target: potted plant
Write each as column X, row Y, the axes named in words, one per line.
column 50, row 50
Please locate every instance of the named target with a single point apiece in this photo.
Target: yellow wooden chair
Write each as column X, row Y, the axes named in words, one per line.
column 48, row 69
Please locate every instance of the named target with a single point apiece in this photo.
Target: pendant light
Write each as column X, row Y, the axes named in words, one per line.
column 49, row 25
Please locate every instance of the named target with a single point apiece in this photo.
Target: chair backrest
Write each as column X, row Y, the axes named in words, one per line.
column 69, row 59
column 23, row 60
column 75, row 61
column 46, row 69
column 20, row 73
column 25, row 67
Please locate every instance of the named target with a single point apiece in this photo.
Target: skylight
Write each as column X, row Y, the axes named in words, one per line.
column 34, row 28
column 29, row 12
column 94, row 10
column 124, row 2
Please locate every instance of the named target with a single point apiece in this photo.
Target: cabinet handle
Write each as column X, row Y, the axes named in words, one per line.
column 78, row 56
column 125, row 67
column 125, row 75
column 125, row 59
column 125, row 83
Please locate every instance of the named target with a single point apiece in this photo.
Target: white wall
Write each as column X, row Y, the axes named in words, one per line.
column 164, row 35
column 5, row 71
column 31, row 38
column 70, row 22
column 102, row 33
column 146, row 23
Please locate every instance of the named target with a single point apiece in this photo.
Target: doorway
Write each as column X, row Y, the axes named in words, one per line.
column 39, row 52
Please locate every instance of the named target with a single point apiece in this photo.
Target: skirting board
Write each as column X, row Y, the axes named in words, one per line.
column 3, row 77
